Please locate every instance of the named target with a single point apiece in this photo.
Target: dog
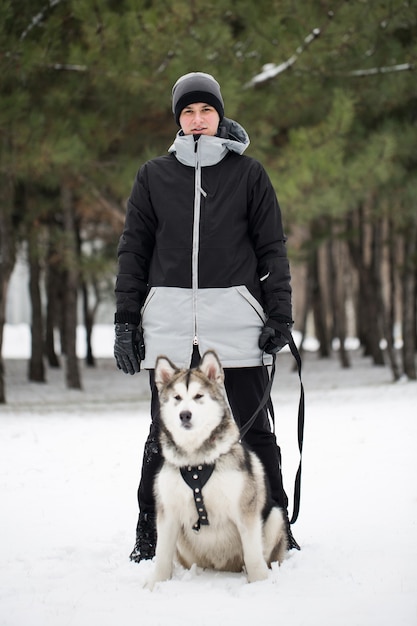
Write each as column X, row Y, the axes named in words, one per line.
column 212, row 499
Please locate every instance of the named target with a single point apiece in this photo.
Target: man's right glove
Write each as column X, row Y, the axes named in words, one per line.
column 129, row 349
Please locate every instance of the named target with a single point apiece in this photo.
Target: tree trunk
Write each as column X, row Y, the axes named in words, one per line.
column 409, row 301
column 36, row 371
column 372, row 299
column 302, row 325
column 362, row 248
column 337, row 299
column 5, row 272
column 393, row 288
column 384, row 311
column 415, row 305
column 89, row 314
column 7, row 261
column 318, row 306
column 53, row 295
column 71, row 289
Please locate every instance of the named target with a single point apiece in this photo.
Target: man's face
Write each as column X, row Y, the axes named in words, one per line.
column 199, row 119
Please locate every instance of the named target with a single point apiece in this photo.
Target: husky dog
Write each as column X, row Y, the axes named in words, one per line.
column 212, row 502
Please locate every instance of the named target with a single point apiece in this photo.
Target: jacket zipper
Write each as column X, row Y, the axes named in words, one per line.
column 198, row 192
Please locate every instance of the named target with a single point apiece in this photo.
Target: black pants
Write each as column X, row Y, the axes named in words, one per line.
column 244, row 387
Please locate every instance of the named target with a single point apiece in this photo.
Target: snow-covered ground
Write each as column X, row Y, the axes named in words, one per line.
column 69, row 466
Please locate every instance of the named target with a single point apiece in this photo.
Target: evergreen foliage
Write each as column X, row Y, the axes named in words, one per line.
column 326, row 90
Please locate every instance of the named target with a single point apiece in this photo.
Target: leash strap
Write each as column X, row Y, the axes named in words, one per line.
column 266, row 400
column 300, row 427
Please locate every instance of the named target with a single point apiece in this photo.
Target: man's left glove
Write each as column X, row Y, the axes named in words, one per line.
column 273, row 336
column 129, row 349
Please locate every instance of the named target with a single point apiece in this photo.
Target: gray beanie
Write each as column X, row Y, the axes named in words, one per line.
column 196, row 87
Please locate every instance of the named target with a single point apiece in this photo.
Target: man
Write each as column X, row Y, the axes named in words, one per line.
column 203, row 265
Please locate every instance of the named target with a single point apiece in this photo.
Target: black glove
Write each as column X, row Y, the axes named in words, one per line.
column 129, row 349
column 272, row 338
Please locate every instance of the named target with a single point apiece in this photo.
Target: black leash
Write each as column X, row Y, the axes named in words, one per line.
column 266, row 401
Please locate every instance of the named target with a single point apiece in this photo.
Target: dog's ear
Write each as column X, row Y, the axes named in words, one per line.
column 211, row 367
column 164, row 371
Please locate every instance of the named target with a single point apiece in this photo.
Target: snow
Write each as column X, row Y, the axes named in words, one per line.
column 69, row 467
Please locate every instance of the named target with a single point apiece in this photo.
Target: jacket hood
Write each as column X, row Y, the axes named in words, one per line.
column 236, row 137
column 231, row 137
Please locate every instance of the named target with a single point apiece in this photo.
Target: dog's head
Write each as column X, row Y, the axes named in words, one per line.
column 192, row 402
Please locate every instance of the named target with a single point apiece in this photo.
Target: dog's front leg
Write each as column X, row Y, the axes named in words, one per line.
column 251, row 537
column 167, row 533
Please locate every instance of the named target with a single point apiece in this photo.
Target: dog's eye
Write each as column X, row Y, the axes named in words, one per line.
column 177, row 397
column 198, row 396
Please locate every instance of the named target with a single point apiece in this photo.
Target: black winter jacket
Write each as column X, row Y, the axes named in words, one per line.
column 202, row 257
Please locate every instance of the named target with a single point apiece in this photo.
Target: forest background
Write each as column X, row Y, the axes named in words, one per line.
column 327, row 91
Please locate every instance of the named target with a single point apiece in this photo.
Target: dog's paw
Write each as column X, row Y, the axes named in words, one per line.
column 258, row 573
column 150, row 583
column 156, row 577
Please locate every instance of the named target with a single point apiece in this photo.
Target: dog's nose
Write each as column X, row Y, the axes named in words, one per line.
column 185, row 416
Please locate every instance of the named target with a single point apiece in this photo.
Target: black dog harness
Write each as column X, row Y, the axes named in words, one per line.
column 196, row 477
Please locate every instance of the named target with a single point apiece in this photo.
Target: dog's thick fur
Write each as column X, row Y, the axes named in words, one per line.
column 245, row 529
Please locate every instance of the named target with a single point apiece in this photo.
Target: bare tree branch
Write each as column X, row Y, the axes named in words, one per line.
column 67, row 67
column 270, row 70
column 382, row 70
column 39, row 17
